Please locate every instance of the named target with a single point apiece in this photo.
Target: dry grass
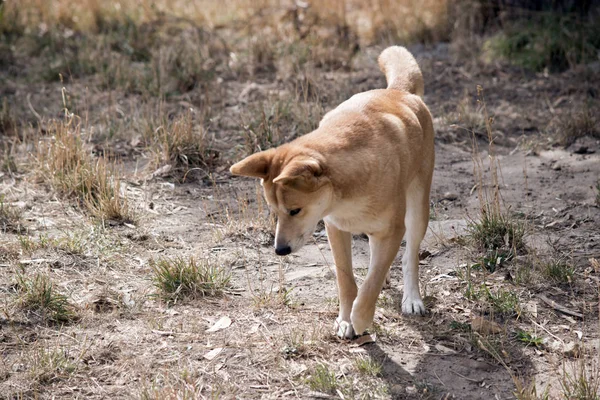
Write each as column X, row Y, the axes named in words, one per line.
column 64, row 161
column 179, row 278
column 181, row 146
column 576, row 124
column 10, row 217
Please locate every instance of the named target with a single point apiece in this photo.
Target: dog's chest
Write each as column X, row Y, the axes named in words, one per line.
column 357, row 220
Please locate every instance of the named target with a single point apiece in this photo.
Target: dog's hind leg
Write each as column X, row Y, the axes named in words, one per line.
column 416, row 219
column 341, row 247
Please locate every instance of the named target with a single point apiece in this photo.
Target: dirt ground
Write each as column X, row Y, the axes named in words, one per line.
column 128, row 342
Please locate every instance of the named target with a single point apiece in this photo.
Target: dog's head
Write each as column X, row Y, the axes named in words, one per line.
column 297, row 190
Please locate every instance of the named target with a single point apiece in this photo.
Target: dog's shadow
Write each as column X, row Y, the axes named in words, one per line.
column 447, row 361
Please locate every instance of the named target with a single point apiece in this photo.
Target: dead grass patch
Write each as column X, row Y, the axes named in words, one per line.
column 10, row 217
column 63, row 161
column 179, row 278
column 181, row 146
column 576, row 124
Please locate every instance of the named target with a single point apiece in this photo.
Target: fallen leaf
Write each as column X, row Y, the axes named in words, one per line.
column 213, row 353
column 221, row 324
column 485, row 327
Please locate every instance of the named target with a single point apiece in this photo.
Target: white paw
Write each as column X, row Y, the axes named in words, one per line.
column 343, row 329
column 413, row 305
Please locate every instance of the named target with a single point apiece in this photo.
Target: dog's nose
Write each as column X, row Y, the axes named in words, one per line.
column 283, row 251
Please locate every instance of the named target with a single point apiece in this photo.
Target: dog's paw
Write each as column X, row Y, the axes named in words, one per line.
column 359, row 322
column 343, row 329
column 413, row 305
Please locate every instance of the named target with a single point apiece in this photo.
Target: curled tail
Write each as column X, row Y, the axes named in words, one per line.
column 401, row 70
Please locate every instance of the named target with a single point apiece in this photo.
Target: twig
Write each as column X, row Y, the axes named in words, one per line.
column 32, row 109
column 469, row 379
column 558, row 307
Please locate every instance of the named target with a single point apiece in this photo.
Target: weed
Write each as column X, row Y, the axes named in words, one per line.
column 273, row 298
column 368, row 366
column 530, row 339
column 598, row 193
column 40, row 295
column 182, row 145
column 503, row 301
column 10, row 218
column 581, row 383
column 559, row 271
column 180, row 278
column 576, row 124
column 495, row 230
column 460, row 326
column 322, row 379
column 494, row 259
column 69, row 168
column 49, row 365
column 523, row 274
column 548, row 40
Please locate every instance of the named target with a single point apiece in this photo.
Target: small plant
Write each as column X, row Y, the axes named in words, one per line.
column 10, row 218
column 322, row 379
column 494, row 259
column 559, row 271
column 576, row 124
column 460, row 326
column 182, row 144
column 180, row 278
column 496, row 230
column 49, row 365
column 598, row 193
column 582, row 383
column 368, row 366
column 504, row 302
column 273, row 298
column 530, row 339
column 39, row 295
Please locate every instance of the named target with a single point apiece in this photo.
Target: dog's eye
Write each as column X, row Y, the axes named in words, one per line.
column 295, row 211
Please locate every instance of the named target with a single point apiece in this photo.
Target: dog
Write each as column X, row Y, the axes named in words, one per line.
column 367, row 168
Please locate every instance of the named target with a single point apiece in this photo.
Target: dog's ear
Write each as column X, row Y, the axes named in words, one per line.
column 257, row 165
column 302, row 175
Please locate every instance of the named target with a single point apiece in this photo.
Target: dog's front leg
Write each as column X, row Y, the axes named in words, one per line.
column 383, row 252
column 341, row 247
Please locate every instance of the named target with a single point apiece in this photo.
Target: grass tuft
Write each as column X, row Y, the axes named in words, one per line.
column 577, row 124
column 179, row 278
column 50, row 365
column 368, row 366
column 181, row 145
column 322, row 379
column 582, row 383
column 39, row 295
column 496, row 230
column 10, row 218
column 64, row 162
column 559, row 271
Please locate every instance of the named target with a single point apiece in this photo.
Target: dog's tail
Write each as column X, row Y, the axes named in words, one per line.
column 401, row 70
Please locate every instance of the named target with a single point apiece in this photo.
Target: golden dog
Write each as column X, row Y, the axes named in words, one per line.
column 366, row 168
